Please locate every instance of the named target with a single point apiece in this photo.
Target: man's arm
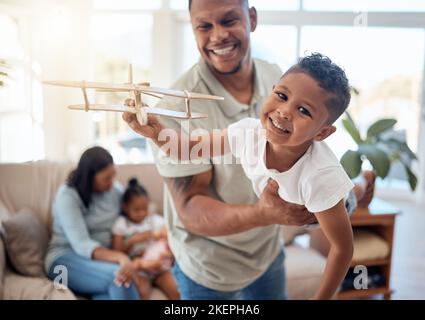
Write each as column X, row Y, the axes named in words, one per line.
column 203, row 215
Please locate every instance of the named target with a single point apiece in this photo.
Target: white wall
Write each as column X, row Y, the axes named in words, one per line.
column 57, row 37
column 64, row 55
column 421, row 149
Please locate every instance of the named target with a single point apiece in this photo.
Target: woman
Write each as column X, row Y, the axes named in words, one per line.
column 84, row 211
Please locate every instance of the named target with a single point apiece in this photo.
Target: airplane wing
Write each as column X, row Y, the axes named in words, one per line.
column 178, row 93
column 132, row 87
column 148, row 110
column 93, row 85
column 173, row 114
column 103, row 107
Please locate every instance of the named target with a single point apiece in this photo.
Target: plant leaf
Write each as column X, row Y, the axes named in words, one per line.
column 413, row 180
column 352, row 163
column 351, row 128
column 380, row 126
column 402, row 147
column 377, row 158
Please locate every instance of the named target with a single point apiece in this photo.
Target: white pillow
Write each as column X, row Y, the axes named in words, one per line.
column 368, row 245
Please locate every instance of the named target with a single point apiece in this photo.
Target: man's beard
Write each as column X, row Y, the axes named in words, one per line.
column 233, row 71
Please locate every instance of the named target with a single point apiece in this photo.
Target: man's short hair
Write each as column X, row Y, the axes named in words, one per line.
column 330, row 77
column 190, row 4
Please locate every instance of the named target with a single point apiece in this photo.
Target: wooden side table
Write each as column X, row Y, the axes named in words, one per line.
column 380, row 218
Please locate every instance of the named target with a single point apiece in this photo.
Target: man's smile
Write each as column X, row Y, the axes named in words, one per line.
column 223, row 51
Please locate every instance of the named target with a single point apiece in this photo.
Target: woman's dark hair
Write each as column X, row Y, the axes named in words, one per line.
column 91, row 162
column 133, row 189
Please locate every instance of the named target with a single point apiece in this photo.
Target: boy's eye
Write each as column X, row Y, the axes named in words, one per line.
column 282, row 96
column 304, row 111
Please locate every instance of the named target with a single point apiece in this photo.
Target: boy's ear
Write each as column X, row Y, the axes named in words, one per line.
column 325, row 132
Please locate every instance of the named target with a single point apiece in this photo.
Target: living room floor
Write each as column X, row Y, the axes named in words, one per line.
column 408, row 269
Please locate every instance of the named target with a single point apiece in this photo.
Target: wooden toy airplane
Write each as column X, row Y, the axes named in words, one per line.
column 141, row 109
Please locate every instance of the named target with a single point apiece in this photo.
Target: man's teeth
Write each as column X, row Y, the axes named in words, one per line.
column 224, row 51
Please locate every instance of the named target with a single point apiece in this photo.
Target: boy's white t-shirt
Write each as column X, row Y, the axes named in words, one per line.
column 317, row 180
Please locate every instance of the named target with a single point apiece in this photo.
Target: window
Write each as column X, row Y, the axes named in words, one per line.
column 276, row 44
column 133, row 33
column 21, row 108
column 275, row 5
column 365, row 5
column 126, row 5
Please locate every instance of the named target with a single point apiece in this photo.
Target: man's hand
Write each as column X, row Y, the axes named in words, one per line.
column 274, row 210
column 150, row 130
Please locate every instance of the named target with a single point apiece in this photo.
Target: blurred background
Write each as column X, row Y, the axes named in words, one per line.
column 380, row 43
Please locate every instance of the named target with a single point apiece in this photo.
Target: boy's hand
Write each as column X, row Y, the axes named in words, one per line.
column 150, row 130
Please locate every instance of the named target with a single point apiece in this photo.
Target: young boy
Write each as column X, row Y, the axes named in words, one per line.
column 286, row 145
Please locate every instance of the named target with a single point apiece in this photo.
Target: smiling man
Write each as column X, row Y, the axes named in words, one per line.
column 225, row 239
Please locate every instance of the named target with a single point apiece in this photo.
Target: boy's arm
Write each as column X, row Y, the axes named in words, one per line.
column 179, row 144
column 337, row 228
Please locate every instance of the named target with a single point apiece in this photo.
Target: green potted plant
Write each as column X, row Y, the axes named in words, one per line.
column 379, row 148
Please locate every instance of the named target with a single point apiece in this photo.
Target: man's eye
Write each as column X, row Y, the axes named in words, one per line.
column 305, row 111
column 229, row 22
column 203, row 27
column 282, row 96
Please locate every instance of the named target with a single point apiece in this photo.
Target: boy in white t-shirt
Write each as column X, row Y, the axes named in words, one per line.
column 286, row 145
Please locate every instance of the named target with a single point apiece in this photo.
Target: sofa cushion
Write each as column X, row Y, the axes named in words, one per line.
column 290, row 232
column 32, row 185
column 369, row 246
column 2, row 267
column 18, row 287
column 25, row 238
column 4, row 214
column 304, row 270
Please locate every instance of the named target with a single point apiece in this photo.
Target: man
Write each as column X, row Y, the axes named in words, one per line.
column 226, row 241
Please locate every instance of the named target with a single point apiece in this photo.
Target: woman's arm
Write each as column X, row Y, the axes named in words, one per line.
column 72, row 221
column 337, row 228
column 105, row 254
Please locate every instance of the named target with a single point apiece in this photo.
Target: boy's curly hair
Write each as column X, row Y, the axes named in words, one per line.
column 330, row 77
